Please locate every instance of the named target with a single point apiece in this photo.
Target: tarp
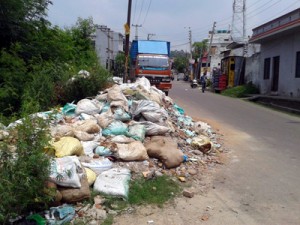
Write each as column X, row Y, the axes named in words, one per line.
column 149, row 47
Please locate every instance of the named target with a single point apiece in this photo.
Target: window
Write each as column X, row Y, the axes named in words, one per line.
column 267, row 65
column 297, row 65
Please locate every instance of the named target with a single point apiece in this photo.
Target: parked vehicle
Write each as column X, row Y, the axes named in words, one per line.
column 194, row 83
column 150, row 59
column 180, row 76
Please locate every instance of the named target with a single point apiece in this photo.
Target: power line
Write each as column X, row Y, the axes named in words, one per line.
column 140, row 11
column 147, row 11
column 134, row 11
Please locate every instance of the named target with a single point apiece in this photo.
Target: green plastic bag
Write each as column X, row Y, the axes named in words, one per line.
column 179, row 109
column 69, row 109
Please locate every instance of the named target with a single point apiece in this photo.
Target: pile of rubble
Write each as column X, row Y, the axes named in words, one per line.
column 126, row 131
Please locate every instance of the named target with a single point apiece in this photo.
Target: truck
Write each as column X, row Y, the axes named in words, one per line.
column 151, row 59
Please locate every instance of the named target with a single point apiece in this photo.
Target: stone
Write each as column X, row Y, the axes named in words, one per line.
column 188, row 193
column 182, row 179
column 98, row 200
column 192, row 171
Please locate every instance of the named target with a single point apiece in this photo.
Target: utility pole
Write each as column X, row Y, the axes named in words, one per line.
column 136, row 30
column 127, row 34
column 190, row 39
column 209, row 47
column 108, row 49
column 150, row 35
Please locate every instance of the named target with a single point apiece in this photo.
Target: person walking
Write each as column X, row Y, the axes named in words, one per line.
column 203, row 79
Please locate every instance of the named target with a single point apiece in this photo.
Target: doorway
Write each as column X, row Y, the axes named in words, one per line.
column 275, row 77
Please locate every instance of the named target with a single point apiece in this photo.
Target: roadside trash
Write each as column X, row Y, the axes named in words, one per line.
column 115, row 128
column 164, row 149
column 66, row 171
column 98, row 165
column 102, row 151
column 201, row 143
column 72, row 195
column 129, row 130
column 39, row 220
column 134, row 151
column 113, row 182
column 137, row 132
column 88, row 106
column 69, row 109
column 179, row 109
column 60, row 215
column 91, row 176
column 68, row 146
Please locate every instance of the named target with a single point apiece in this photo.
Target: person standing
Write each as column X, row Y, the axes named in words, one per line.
column 203, row 79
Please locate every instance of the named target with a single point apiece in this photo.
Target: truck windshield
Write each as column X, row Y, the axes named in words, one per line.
column 153, row 62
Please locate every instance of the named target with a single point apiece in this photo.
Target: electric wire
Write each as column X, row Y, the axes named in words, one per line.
column 147, row 12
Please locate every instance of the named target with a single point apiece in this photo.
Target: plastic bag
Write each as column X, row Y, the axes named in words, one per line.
column 122, row 139
column 148, row 109
column 68, row 146
column 201, row 143
column 116, row 98
column 60, row 131
column 60, row 215
column 88, row 147
column 185, row 121
column 98, row 165
column 83, row 136
column 66, row 171
column 137, row 132
column 105, row 118
column 91, row 176
column 115, row 128
column 120, row 114
column 89, row 126
column 102, row 151
column 179, row 109
column 88, row 106
column 69, row 109
column 113, row 182
column 153, row 129
column 134, row 151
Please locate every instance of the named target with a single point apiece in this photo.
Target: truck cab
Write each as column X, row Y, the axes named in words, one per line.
column 150, row 59
column 156, row 68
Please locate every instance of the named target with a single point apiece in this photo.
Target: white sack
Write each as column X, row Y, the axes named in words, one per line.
column 87, row 106
column 66, row 171
column 113, row 182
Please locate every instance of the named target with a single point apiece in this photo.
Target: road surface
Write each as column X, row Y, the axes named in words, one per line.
column 260, row 183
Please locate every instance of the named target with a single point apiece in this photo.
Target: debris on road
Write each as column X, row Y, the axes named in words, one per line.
column 126, row 131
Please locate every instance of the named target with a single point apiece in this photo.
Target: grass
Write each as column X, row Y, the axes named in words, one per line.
column 156, row 191
column 240, row 91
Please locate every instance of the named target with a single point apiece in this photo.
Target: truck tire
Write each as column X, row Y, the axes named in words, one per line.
column 167, row 93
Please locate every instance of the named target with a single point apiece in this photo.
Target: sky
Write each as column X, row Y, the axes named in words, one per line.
column 169, row 20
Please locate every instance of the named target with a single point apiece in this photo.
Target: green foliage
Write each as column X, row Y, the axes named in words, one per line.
column 156, row 191
column 79, row 87
column 241, row 91
column 35, row 73
column 24, row 170
column 109, row 220
column 180, row 63
column 119, row 65
column 13, row 71
column 20, row 18
column 200, row 48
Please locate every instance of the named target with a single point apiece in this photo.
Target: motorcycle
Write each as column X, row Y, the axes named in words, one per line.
column 194, row 83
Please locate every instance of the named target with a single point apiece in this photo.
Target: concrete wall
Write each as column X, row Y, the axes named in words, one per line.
column 285, row 47
column 252, row 70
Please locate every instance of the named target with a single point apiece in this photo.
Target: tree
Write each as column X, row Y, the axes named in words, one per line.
column 119, row 65
column 180, row 63
column 20, row 18
column 199, row 48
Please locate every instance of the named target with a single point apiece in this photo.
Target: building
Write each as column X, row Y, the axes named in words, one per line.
column 279, row 60
column 107, row 44
column 221, row 39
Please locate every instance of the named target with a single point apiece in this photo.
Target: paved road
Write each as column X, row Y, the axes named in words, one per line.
column 260, row 184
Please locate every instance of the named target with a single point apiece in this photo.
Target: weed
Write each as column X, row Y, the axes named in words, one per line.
column 155, row 191
column 23, row 169
column 240, row 91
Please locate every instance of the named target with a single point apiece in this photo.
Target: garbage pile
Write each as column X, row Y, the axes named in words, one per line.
column 126, row 131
